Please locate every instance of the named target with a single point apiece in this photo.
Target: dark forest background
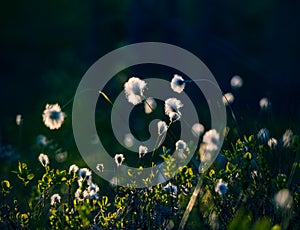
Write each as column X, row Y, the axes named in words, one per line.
column 47, row 46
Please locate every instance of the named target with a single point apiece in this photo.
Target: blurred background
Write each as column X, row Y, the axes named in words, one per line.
column 47, row 46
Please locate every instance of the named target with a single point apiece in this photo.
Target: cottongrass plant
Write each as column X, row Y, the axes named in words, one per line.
column 287, row 138
column 272, row 143
column 162, row 128
column 264, row 104
column 119, row 159
column 198, row 129
column 53, row 117
column 100, row 167
column 55, row 199
column 177, row 83
column 236, row 82
column 134, row 90
column 228, row 99
column 143, row 150
column 221, row 187
column 238, row 190
column 44, row 159
column 172, row 109
column 73, row 168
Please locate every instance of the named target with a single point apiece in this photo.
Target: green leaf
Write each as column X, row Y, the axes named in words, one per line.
column 30, row 176
column 262, row 224
column 104, row 200
column 5, row 186
column 248, row 155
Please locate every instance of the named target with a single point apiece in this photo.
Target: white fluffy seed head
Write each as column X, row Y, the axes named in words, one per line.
column 228, row 99
column 73, row 168
column 162, row 127
column 53, row 117
column 284, row 199
column 171, row 188
column 100, row 167
column 181, row 145
column 55, row 199
column 287, row 138
column 212, row 140
column 221, row 187
column 172, row 108
column 182, row 149
column 129, row 140
column 177, row 83
column 134, row 90
column 272, row 143
column 236, row 82
column 142, row 151
column 264, row 104
column 119, row 159
column 44, row 160
column 84, row 174
column 197, row 129
column 19, row 119
column 263, row 135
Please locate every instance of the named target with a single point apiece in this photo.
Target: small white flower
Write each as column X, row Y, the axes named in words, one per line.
column 236, row 82
column 73, row 168
column 43, row 158
column 55, row 198
column 177, row 83
column 221, row 187
column 287, row 138
column 100, row 167
column 162, row 127
column 134, row 90
column 228, row 98
column 264, row 104
column 19, row 119
column 142, row 151
column 119, row 158
column 172, row 106
column 263, row 135
column 284, row 199
column 150, row 105
column 212, row 140
column 197, row 129
column 53, row 117
column 272, row 143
